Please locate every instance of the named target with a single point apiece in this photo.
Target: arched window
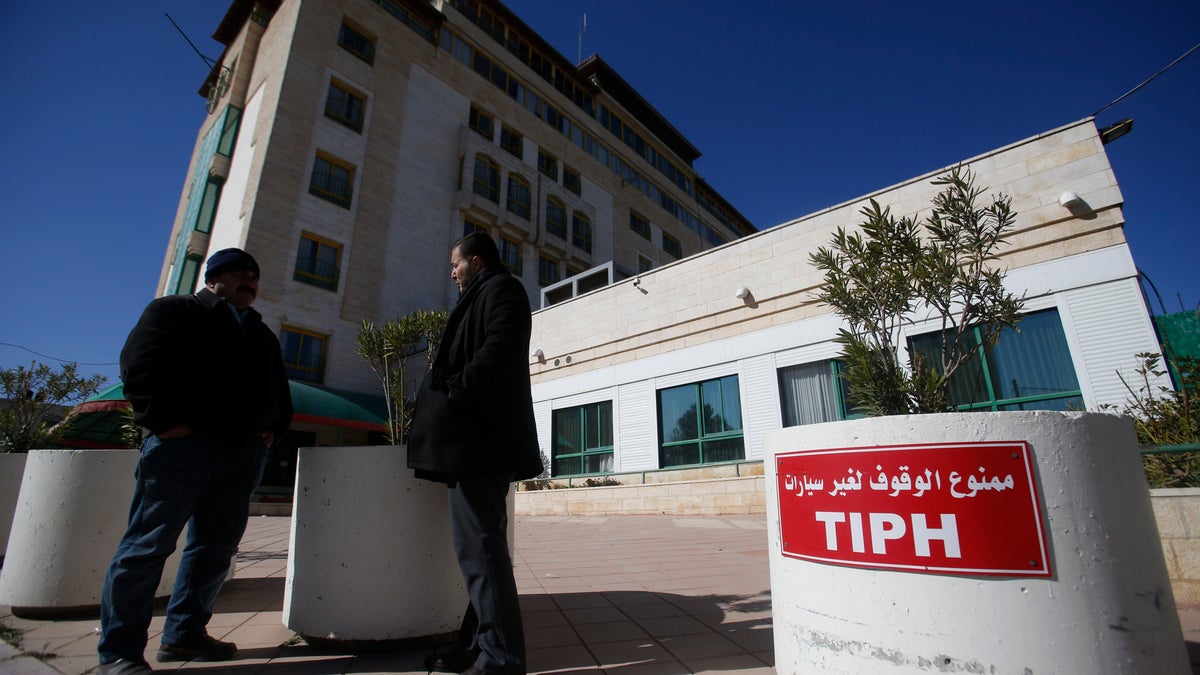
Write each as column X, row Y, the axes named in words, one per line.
column 487, row 178
column 518, row 196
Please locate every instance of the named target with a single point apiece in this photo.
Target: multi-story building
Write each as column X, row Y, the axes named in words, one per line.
column 349, row 142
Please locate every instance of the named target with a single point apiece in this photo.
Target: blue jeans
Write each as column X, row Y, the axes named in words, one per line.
column 193, row 481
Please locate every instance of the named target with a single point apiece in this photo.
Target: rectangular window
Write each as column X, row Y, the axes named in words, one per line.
column 510, row 255
column 303, row 354
column 483, row 123
column 672, row 246
column 471, row 227
column 548, row 165
column 583, row 440
column 581, row 231
column 571, row 180
column 356, row 43
column 1029, row 370
column 644, row 264
column 317, row 262
column 511, row 141
column 345, row 106
column 189, row 275
column 332, row 180
column 518, row 196
column 701, row 423
column 487, row 179
column 639, row 224
column 556, row 218
column 208, row 204
column 547, row 271
column 811, row 393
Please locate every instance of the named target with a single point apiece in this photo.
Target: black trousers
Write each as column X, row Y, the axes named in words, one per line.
column 479, row 529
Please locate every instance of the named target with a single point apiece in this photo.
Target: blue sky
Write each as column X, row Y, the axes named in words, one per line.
column 796, row 106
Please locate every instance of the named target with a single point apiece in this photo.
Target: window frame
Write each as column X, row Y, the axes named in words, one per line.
column 581, row 231
column 554, row 206
column 327, row 192
column 512, row 141
column 489, row 186
column 572, row 180
column 367, row 55
column 672, row 246
column 482, row 123
column 547, row 271
column 548, row 165
column 598, row 412
column 513, row 202
column 345, row 115
column 639, row 224
column 703, row 436
column 309, row 273
column 510, row 254
column 293, row 367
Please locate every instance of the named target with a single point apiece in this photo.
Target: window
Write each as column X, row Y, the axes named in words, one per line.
column 672, row 246
column 701, row 423
column 644, row 264
column 547, row 271
column 189, row 275
column 345, row 106
column 357, row 44
column 471, row 227
column 556, row 218
column 511, row 141
column 303, row 354
column 581, row 231
column 317, row 262
column 208, row 204
column 1030, row 370
column 548, row 165
column 583, row 440
column 639, row 224
column 482, row 122
column 487, row 178
column 518, row 196
column 813, row 392
column 332, row 180
column 510, row 254
column 571, row 180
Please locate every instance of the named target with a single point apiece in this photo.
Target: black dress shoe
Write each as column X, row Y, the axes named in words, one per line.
column 454, row 661
column 203, row 648
column 124, row 667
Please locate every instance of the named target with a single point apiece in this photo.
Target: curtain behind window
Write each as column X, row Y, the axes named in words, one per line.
column 807, row 394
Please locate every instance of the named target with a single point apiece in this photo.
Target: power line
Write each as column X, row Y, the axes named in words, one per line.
column 44, row 356
column 1129, row 93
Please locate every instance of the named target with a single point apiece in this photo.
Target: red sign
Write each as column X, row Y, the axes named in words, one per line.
column 957, row 508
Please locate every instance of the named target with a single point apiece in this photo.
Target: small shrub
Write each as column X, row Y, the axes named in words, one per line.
column 1164, row 416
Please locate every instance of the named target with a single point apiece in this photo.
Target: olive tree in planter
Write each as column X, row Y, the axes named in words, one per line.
column 877, row 573
column 391, row 578
column 387, row 350
column 898, row 271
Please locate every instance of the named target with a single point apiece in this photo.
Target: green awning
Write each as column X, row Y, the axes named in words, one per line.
column 97, row 422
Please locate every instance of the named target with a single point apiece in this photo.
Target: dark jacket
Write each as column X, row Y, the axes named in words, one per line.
column 474, row 410
column 187, row 361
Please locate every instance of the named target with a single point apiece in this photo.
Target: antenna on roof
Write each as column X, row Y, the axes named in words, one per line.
column 582, row 30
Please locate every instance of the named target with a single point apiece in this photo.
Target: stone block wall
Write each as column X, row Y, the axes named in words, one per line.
column 1177, row 512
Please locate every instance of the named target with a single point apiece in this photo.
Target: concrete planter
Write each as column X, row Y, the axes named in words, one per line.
column 1103, row 602
column 72, row 510
column 12, row 468
column 370, row 562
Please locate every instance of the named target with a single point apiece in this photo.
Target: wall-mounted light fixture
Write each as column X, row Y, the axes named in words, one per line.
column 1069, row 200
column 539, row 355
column 742, row 293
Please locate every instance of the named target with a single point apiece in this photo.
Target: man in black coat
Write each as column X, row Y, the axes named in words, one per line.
column 205, row 379
column 473, row 429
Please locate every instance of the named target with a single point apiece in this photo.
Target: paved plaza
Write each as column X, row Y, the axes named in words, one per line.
column 629, row 595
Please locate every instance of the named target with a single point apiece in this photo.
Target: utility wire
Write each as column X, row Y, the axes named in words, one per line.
column 1148, row 80
column 207, row 61
column 44, row 356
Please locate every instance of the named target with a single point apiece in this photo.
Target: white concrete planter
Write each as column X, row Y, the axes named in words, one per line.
column 1103, row 603
column 370, row 559
column 72, row 510
column 12, row 468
